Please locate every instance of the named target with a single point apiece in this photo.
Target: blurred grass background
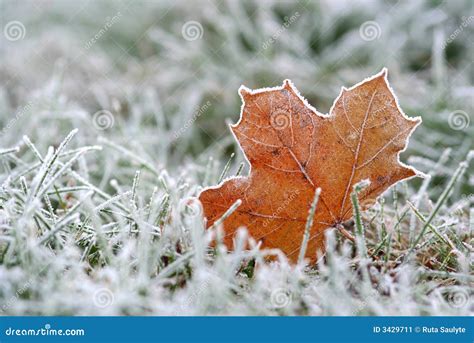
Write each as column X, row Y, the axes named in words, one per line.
column 155, row 82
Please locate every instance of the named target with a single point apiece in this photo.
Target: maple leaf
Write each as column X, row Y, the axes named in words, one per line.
column 293, row 150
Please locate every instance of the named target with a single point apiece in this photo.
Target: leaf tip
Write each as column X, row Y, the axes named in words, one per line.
column 287, row 84
column 421, row 174
column 244, row 92
column 417, row 120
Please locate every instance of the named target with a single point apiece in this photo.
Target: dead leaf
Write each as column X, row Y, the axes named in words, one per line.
column 293, row 149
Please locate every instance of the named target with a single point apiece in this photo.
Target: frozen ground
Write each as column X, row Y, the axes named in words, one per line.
column 96, row 221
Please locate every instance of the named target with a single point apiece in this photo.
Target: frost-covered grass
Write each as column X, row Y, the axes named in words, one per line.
column 113, row 117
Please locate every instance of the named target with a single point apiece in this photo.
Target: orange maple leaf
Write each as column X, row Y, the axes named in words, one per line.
column 293, row 150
